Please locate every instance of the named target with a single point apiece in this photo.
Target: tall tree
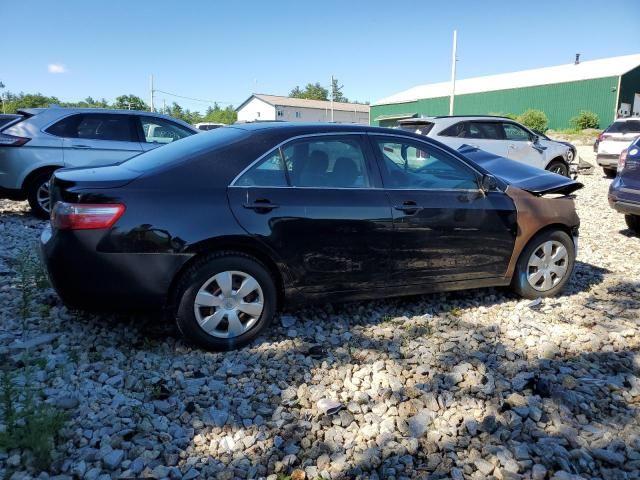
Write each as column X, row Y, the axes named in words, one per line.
column 312, row 91
column 130, row 102
column 336, row 89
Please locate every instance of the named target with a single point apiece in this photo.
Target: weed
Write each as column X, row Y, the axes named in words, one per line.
column 29, row 423
column 31, row 278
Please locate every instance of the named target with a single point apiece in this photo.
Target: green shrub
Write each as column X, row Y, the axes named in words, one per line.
column 536, row 120
column 585, row 119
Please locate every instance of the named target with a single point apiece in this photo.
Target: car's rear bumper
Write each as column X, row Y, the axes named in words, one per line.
column 607, row 160
column 85, row 277
column 628, row 208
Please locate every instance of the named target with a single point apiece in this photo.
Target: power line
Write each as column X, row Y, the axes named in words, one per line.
column 193, row 99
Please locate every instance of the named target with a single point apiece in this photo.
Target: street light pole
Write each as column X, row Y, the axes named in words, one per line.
column 453, row 71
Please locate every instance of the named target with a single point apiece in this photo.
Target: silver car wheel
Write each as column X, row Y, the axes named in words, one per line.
column 547, row 265
column 43, row 197
column 570, row 155
column 229, row 304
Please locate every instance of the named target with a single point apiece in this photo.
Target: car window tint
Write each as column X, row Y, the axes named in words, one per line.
column 268, row 172
column 94, row 126
column 514, row 132
column 630, row 126
column 326, row 162
column 159, row 130
column 408, row 165
column 457, row 130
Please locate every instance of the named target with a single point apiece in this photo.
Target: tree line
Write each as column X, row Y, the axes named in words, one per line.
column 13, row 102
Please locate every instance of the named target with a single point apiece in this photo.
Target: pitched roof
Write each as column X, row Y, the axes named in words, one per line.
column 604, row 67
column 277, row 101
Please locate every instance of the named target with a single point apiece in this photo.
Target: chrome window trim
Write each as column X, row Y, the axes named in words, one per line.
column 306, row 135
column 358, row 189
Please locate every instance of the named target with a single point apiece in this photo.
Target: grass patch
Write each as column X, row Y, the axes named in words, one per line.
column 30, row 424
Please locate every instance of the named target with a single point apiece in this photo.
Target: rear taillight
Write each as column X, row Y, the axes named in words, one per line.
column 12, row 140
column 622, row 160
column 85, row 216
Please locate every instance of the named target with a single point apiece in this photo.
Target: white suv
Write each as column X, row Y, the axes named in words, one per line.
column 497, row 135
column 614, row 140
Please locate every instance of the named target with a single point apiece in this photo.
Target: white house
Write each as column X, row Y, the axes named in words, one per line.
column 273, row 107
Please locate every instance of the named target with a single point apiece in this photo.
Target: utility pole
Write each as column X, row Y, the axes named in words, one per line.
column 331, row 90
column 151, row 81
column 164, row 105
column 453, row 71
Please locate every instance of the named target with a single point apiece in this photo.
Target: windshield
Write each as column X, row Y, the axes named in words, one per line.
column 183, row 149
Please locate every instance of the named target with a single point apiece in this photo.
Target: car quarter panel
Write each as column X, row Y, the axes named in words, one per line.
column 535, row 213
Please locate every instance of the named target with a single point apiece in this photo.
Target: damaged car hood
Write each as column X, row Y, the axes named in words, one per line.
column 523, row 176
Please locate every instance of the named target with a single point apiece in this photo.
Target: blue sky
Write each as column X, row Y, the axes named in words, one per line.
column 225, row 50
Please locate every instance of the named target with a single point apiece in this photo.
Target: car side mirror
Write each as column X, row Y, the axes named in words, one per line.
column 535, row 139
column 488, row 183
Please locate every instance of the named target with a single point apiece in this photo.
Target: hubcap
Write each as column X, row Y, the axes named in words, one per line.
column 229, row 304
column 547, row 265
column 43, row 198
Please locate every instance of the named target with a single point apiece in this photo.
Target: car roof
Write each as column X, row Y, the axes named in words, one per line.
column 308, row 128
column 52, row 110
column 626, row 119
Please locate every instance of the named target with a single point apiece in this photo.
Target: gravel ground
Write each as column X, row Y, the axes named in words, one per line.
column 461, row 385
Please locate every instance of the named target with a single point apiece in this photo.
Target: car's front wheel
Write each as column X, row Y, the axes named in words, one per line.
column 224, row 300
column 559, row 167
column 38, row 195
column 545, row 265
column 633, row 222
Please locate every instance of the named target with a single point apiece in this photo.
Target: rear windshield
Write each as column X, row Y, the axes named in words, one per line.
column 180, row 150
column 630, row 126
column 419, row 128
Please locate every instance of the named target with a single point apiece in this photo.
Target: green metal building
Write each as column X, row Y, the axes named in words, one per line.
column 610, row 87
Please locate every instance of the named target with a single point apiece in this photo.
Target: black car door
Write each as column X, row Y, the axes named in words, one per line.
column 445, row 227
column 317, row 203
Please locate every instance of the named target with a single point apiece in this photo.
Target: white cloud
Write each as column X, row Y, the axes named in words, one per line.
column 57, row 68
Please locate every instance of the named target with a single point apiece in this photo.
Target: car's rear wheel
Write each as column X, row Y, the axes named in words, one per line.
column 610, row 172
column 223, row 301
column 38, row 195
column 633, row 222
column 545, row 265
column 559, row 167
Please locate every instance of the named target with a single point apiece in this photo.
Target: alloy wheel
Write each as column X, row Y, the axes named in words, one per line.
column 229, row 304
column 43, row 197
column 547, row 265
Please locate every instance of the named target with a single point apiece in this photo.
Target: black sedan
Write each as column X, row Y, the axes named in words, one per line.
column 224, row 228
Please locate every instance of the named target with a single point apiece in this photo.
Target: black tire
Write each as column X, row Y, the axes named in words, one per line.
column 559, row 167
column 521, row 284
column 201, row 272
column 32, row 189
column 633, row 222
column 610, row 172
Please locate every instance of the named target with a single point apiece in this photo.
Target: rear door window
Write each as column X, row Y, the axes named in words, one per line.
column 268, row 172
column 327, row 162
column 95, row 126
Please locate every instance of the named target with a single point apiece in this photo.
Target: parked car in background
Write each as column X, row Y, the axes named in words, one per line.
column 208, row 125
column 624, row 192
column 614, row 140
column 263, row 215
column 498, row 135
column 38, row 141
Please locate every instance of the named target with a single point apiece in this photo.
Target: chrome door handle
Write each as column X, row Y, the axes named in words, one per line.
column 80, row 146
column 409, row 207
column 259, row 206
